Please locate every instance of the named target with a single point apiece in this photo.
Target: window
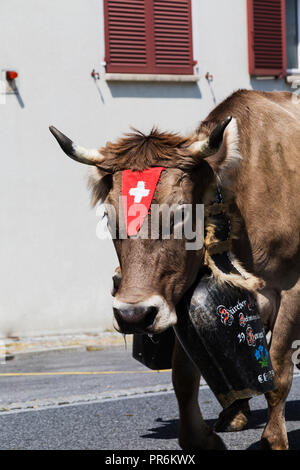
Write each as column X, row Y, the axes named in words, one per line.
column 267, row 37
column 292, row 35
column 148, row 36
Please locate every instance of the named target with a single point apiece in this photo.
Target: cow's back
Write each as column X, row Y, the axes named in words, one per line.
column 266, row 184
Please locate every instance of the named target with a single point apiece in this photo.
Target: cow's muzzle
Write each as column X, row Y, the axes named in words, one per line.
column 150, row 316
column 135, row 319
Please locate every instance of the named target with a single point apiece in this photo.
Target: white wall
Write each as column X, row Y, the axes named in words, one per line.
column 55, row 275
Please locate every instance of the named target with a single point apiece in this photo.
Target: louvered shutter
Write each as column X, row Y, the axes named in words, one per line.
column 125, row 35
column 148, row 36
column 267, row 37
column 173, row 36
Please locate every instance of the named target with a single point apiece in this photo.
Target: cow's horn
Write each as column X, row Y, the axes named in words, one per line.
column 78, row 153
column 210, row 145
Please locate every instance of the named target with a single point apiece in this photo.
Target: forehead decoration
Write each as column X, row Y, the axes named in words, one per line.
column 138, row 188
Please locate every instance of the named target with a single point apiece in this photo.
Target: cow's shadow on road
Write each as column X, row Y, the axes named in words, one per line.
column 168, row 429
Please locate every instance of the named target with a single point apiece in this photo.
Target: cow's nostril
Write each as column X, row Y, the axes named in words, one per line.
column 135, row 318
column 121, row 319
column 150, row 316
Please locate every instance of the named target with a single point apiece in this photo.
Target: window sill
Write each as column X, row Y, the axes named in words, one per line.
column 135, row 77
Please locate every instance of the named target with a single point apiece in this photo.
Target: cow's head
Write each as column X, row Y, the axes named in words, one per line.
column 155, row 272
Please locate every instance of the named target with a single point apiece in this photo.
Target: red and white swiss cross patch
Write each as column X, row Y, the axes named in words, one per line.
column 138, row 189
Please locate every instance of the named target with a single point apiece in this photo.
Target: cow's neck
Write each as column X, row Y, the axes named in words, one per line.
column 221, row 226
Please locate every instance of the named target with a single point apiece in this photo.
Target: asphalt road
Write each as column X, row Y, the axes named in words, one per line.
column 107, row 400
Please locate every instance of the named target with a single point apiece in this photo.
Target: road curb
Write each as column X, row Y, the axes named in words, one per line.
column 96, row 342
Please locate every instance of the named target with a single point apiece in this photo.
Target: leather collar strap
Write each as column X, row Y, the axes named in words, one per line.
column 218, row 217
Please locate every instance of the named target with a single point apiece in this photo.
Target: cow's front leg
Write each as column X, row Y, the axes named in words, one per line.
column 275, row 436
column 194, row 433
column 285, row 332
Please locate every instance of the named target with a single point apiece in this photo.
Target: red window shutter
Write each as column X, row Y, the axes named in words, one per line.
column 267, row 37
column 173, row 36
column 148, row 36
column 125, row 36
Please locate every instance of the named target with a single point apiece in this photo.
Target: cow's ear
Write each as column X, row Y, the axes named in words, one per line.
column 209, row 141
column 99, row 183
column 220, row 148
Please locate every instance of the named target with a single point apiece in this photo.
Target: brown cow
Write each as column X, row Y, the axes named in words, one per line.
column 255, row 159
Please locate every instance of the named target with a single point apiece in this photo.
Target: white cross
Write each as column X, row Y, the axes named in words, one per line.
column 139, row 192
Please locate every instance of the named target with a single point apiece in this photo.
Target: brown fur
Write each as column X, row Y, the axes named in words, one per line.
column 137, row 151
column 258, row 169
column 261, row 191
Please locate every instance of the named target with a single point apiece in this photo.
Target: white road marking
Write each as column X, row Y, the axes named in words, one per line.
column 130, row 394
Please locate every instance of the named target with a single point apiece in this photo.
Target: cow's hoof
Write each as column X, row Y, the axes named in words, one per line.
column 234, row 418
column 211, row 442
column 214, row 442
column 274, row 443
